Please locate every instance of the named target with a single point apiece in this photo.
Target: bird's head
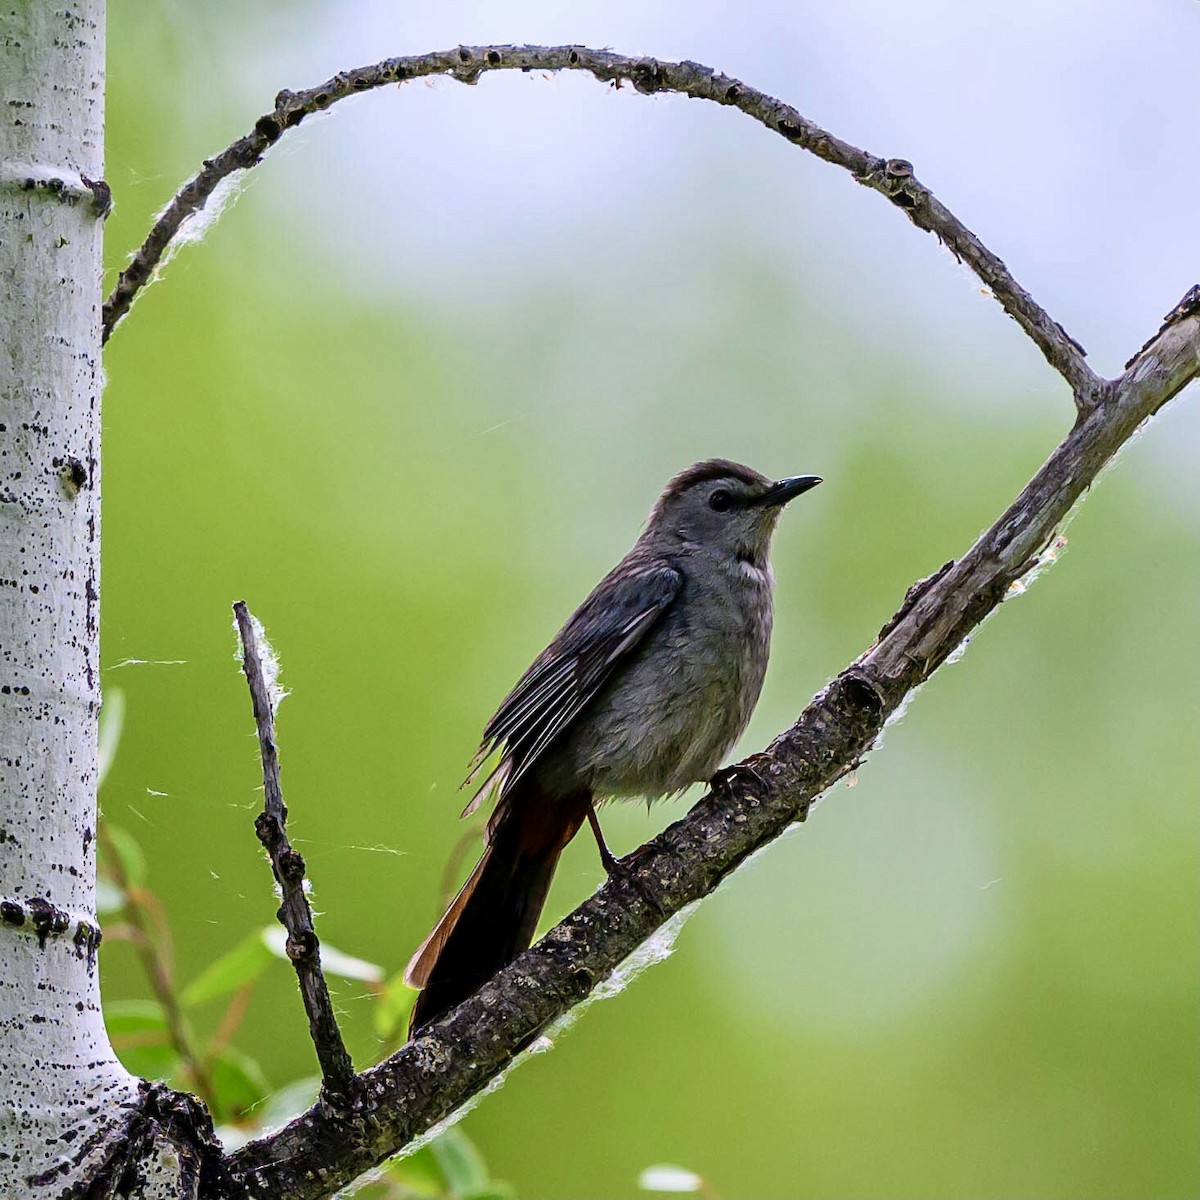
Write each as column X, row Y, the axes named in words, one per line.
column 723, row 506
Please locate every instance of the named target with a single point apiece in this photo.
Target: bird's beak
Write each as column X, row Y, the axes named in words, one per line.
column 780, row 493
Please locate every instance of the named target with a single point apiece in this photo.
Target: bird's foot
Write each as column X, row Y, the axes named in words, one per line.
column 740, row 778
column 610, row 863
column 624, row 870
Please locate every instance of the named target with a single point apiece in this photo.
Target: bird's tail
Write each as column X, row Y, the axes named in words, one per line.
column 494, row 917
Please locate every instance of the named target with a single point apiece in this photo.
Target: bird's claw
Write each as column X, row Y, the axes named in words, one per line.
column 623, row 869
column 743, row 776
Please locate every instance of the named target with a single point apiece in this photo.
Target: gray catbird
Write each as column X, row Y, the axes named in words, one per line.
column 641, row 693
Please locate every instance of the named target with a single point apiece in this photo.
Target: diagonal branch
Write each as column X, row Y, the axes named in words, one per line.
column 431, row 1077
column 295, row 913
column 892, row 177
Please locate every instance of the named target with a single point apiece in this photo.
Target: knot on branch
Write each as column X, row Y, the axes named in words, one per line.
column 268, row 829
column 87, row 941
column 291, row 865
column 102, row 198
column 47, row 919
column 899, row 183
column 302, row 945
column 289, row 112
column 269, row 128
column 895, row 179
column 863, row 693
column 469, row 68
column 73, row 474
column 647, row 76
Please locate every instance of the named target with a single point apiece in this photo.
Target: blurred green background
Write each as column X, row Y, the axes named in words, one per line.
column 413, row 444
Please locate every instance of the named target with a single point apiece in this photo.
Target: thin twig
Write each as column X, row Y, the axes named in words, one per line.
column 438, row 1072
column 295, row 913
column 156, row 962
column 891, row 177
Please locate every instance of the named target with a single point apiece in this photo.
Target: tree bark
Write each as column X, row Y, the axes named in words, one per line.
column 65, row 1100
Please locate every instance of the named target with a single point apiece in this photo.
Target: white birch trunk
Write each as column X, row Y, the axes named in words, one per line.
column 65, row 1100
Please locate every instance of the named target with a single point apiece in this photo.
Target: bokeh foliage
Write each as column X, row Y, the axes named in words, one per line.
column 973, row 974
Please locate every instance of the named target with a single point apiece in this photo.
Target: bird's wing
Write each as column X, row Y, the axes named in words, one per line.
column 573, row 668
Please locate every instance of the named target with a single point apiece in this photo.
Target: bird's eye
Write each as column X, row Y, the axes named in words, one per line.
column 721, row 500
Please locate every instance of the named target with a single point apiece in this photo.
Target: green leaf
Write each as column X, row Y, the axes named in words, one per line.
column 235, row 969
column 129, row 854
column 666, row 1177
column 140, row 1036
column 112, row 720
column 394, row 1005
column 347, row 966
column 238, row 1085
column 461, row 1164
column 333, row 960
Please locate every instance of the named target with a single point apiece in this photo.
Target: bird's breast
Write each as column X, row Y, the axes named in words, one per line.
column 674, row 709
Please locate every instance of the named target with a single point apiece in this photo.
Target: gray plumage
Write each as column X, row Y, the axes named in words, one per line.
column 643, row 692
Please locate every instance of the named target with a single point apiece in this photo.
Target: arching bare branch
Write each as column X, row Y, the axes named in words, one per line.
column 891, row 177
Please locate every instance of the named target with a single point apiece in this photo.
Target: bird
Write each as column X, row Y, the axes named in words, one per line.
column 642, row 693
